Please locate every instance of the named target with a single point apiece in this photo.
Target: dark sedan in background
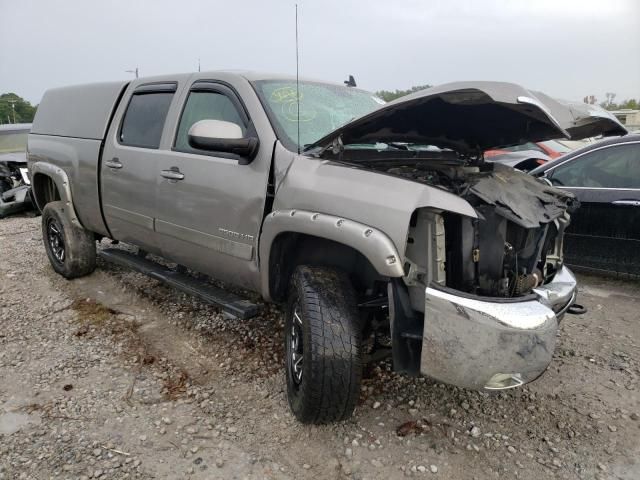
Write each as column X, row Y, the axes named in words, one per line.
column 605, row 177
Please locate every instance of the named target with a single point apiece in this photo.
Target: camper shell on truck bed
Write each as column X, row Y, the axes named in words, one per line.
column 379, row 227
column 78, row 112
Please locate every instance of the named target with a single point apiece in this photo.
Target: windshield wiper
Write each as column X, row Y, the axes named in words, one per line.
column 400, row 146
column 380, row 146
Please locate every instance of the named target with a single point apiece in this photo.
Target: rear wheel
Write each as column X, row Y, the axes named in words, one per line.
column 71, row 249
column 323, row 345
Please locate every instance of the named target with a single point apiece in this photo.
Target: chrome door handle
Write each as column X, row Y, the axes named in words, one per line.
column 633, row 203
column 113, row 163
column 172, row 174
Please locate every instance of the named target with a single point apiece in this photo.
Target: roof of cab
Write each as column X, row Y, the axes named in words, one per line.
column 249, row 75
column 84, row 111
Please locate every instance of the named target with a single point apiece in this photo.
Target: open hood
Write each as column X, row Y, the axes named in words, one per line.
column 471, row 117
column 582, row 120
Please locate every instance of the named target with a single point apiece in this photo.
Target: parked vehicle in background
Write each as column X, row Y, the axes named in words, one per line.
column 554, row 148
column 320, row 197
column 14, row 178
column 528, row 155
column 605, row 177
column 531, row 155
column 550, row 148
column 572, row 145
column 524, row 160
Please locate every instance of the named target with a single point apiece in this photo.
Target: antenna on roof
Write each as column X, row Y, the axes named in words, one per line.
column 351, row 82
column 135, row 72
column 297, row 81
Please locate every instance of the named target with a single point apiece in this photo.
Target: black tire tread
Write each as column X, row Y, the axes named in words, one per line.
column 328, row 303
column 80, row 244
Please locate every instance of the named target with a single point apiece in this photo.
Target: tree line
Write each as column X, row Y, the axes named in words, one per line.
column 388, row 95
column 609, row 103
column 631, row 103
column 15, row 109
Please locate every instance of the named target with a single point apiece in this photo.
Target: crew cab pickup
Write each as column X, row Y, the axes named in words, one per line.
column 378, row 226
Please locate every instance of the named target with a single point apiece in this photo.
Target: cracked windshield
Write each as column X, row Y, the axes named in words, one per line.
column 323, row 108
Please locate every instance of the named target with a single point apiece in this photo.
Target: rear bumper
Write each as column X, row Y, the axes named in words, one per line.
column 493, row 344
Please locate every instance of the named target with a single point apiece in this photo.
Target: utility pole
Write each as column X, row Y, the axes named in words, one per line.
column 135, row 72
column 610, row 97
column 198, row 63
column 13, row 108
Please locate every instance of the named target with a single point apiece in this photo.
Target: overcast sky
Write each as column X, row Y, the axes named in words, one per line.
column 565, row 48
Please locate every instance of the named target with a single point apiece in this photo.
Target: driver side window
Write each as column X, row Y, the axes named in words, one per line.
column 205, row 106
column 612, row 167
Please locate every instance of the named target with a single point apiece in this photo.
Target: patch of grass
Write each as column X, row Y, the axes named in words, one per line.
column 91, row 312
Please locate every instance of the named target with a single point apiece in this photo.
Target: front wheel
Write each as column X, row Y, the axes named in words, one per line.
column 71, row 249
column 323, row 345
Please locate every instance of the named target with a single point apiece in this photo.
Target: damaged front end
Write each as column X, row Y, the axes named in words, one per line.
column 15, row 186
column 481, row 297
column 515, row 244
column 506, row 287
column 491, row 322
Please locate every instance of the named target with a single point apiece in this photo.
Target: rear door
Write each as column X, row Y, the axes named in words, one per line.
column 130, row 164
column 605, row 231
column 210, row 204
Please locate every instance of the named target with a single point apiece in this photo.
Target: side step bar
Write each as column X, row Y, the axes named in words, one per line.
column 227, row 301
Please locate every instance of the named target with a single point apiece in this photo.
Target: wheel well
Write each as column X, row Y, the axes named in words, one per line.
column 44, row 190
column 291, row 249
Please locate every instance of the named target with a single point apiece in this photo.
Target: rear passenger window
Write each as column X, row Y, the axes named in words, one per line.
column 205, row 106
column 616, row 166
column 144, row 119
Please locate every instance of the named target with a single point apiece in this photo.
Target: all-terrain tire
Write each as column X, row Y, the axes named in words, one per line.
column 322, row 307
column 78, row 245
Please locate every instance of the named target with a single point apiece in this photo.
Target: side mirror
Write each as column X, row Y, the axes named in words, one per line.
column 221, row 136
column 551, row 181
column 545, row 179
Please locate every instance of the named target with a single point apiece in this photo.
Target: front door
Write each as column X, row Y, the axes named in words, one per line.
column 210, row 204
column 605, row 231
column 130, row 165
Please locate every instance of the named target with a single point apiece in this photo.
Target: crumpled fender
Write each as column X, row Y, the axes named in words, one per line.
column 375, row 245
column 381, row 201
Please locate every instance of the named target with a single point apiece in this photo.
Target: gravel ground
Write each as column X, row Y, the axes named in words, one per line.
column 116, row 376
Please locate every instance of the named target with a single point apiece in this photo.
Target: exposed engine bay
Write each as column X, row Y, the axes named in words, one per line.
column 15, row 188
column 513, row 246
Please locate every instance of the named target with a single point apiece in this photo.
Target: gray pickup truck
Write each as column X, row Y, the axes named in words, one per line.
column 379, row 226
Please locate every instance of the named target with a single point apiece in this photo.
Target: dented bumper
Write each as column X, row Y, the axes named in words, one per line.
column 15, row 200
column 493, row 344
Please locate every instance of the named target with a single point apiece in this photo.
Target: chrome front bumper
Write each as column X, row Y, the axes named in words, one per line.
column 493, row 344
